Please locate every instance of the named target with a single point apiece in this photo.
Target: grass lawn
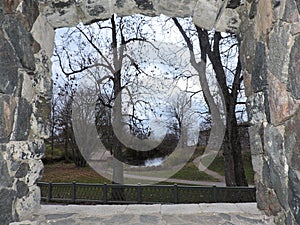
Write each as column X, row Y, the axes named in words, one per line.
column 191, row 172
column 68, row 172
column 218, row 166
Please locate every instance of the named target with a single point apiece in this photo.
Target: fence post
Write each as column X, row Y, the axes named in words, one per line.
column 214, row 193
column 49, row 192
column 175, row 193
column 104, row 193
column 139, row 193
column 74, row 192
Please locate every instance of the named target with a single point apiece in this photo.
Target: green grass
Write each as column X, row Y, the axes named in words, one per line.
column 248, row 167
column 191, row 172
column 188, row 172
column 218, row 166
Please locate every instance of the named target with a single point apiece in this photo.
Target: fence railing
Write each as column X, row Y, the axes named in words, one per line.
column 142, row 194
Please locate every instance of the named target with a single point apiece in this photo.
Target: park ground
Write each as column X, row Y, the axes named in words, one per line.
column 59, row 171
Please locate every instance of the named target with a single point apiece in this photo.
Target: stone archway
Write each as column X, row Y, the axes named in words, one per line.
column 270, row 35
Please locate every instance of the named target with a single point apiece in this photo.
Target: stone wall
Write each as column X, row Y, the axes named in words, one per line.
column 270, row 35
column 24, row 110
column 269, row 32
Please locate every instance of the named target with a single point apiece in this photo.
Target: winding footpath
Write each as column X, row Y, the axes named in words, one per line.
column 214, row 174
column 178, row 181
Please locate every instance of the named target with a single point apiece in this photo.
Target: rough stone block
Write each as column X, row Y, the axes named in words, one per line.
column 259, row 71
column 25, row 205
column 290, row 220
column 26, row 86
column 208, row 19
column 253, row 10
column 10, row 6
column 22, row 124
column 30, row 11
column 282, row 104
column 275, row 172
column 266, row 173
column 8, row 67
column 24, row 150
column 298, row 5
column 228, row 20
column 21, row 39
column 278, row 179
column 44, row 34
column 294, row 194
column 264, row 19
column 292, row 140
column 22, row 170
column 278, row 55
column 5, row 179
column 294, row 69
column 7, row 197
column 185, row 7
column 40, row 120
column 295, row 29
column 7, row 111
column 34, row 174
column 291, row 14
column 276, row 3
column 22, row 189
column 62, row 13
column 256, row 133
column 256, row 106
column 144, row 4
column 267, row 200
column 129, row 7
column 1, row 8
column 273, row 140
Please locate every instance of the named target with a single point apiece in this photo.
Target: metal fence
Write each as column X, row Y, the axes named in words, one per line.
column 142, row 194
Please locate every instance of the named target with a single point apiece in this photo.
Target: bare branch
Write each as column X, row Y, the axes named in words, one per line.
column 109, row 66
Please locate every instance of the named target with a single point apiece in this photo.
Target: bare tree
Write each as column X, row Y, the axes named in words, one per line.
column 103, row 48
column 187, row 114
column 61, row 120
column 210, row 48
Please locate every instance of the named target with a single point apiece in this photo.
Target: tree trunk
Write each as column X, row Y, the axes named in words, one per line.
column 228, row 161
column 118, row 173
column 236, row 147
column 118, row 193
column 233, row 161
column 66, row 148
